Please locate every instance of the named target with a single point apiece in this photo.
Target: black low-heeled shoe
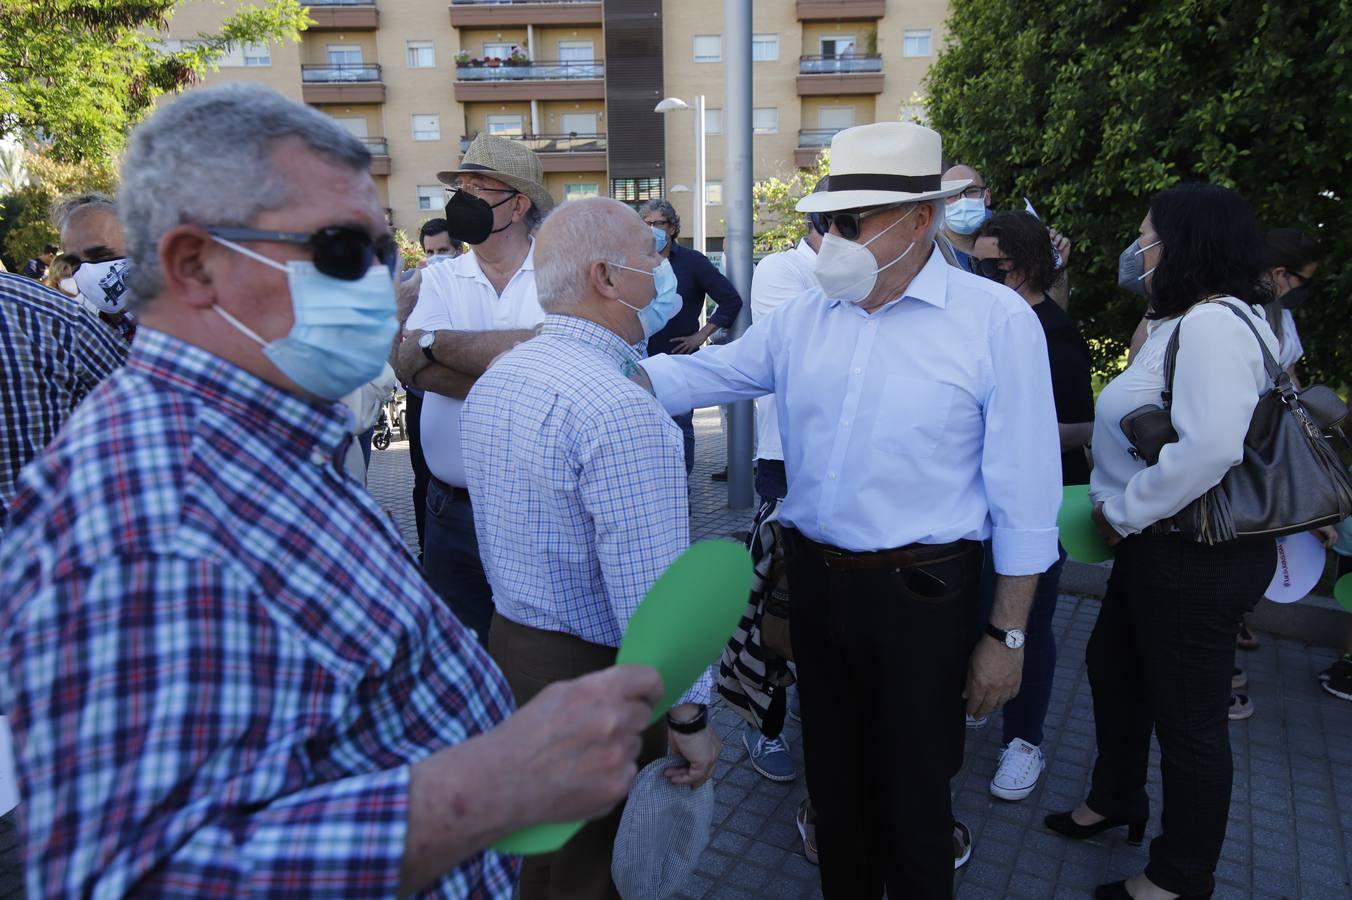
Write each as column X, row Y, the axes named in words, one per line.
column 1063, row 824
column 1117, row 890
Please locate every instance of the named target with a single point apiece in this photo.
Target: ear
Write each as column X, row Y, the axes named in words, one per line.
column 185, row 265
column 522, row 210
column 601, row 277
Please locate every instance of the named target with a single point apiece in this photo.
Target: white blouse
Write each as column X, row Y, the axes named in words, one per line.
column 1218, row 378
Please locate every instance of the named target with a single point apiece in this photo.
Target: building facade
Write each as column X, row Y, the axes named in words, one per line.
column 577, row 81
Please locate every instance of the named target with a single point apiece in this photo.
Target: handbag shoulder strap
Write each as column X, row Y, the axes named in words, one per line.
column 1278, row 376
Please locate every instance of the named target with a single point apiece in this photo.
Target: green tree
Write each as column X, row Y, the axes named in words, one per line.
column 76, row 75
column 26, row 225
column 776, row 224
column 1089, row 107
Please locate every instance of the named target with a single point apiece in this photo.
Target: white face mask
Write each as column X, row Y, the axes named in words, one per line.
column 847, row 271
column 103, row 284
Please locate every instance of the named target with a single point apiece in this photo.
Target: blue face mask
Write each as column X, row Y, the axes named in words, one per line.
column 342, row 332
column 966, row 215
column 660, row 235
column 665, row 303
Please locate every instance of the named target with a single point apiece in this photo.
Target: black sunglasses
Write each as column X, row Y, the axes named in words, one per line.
column 339, row 251
column 847, row 221
column 990, row 268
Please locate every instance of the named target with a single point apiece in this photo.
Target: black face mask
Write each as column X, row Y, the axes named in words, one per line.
column 1296, row 296
column 470, row 219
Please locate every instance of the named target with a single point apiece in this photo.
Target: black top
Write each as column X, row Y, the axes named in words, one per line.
column 696, row 277
column 1070, row 361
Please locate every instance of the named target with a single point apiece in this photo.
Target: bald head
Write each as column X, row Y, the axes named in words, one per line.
column 964, row 173
column 577, row 235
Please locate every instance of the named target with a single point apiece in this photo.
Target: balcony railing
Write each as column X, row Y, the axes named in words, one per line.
column 817, row 137
column 342, row 72
column 551, row 143
column 377, row 146
column 535, row 70
column 515, row 2
column 340, row 2
column 839, row 65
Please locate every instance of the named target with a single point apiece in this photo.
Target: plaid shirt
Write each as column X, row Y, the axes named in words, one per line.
column 578, row 483
column 219, row 659
column 53, row 352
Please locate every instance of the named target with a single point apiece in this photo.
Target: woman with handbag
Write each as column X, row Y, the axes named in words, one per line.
column 1162, row 651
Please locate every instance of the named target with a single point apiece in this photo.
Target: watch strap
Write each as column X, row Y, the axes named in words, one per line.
column 996, row 633
column 697, row 724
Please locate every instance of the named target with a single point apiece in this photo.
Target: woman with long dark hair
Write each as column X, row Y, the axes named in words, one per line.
column 1161, row 655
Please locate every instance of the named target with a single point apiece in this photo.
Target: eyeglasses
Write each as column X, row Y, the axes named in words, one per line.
column 847, row 221
column 989, row 268
column 659, row 223
column 1304, row 279
column 339, row 251
column 971, row 192
column 475, row 190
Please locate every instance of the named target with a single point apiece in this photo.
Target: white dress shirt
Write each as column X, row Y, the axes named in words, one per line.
column 458, row 296
column 778, row 278
column 1218, row 378
column 929, row 421
column 1292, row 349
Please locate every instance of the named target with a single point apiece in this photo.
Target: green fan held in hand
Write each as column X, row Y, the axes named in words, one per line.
column 1342, row 592
column 679, row 629
column 1081, row 539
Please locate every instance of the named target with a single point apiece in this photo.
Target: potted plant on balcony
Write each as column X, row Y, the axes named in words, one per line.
column 462, row 58
column 518, row 56
column 476, row 63
column 493, row 62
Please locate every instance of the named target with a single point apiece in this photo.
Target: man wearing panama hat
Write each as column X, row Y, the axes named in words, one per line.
column 469, row 310
column 916, row 415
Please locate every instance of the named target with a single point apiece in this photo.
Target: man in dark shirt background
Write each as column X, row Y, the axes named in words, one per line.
column 36, row 268
column 696, row 279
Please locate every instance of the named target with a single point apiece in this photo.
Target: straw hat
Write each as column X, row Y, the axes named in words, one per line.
column 509, row 161
column 886, row 162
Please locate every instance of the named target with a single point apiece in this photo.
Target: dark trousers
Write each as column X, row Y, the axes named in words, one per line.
column 1160, row 658
column 687, row 423
column 421, row 474
column 1024, row 716
column 772, row 482
column 882, row 660
column 531, row 659
column 451, row 561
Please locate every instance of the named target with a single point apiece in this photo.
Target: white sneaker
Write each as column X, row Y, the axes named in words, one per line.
column 1021, row 765
column 974, row 723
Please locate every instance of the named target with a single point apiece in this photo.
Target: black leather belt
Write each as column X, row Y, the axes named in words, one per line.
column 906, row 557
column 450, row 490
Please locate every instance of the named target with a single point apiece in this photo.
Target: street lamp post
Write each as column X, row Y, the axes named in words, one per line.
column 671, row 104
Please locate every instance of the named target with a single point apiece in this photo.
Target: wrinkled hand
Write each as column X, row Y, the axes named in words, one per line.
column 1327, row 534
column 687, row 344
column 1104, row 528
column 700, row 751
column 576, row 744
column 407, row 296
column 1062, row 245
column 994, row 673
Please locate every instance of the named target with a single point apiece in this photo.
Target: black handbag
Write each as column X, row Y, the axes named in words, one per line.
column 1290, row 478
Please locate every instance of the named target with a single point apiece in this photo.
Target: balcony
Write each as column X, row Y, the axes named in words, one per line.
column 380, row 154
column 533, row 80
column 811, row 142
column 840, row 10
column 560, row 152
column 342, row 83
column 343, row 15
column 855, row 74
column 502, row 13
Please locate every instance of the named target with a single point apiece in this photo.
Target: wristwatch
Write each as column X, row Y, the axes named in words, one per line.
column 425, row 342
column 696, row 724
column 1013, row 638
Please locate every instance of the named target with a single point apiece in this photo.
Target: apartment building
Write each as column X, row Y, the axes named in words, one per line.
column 577, row 80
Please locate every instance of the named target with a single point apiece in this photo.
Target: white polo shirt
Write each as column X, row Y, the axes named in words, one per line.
column 457, row 296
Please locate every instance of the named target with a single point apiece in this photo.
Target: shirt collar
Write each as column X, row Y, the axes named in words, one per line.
column 262, row 408
column 593, row 334
column 467, row 265
column 930, row 284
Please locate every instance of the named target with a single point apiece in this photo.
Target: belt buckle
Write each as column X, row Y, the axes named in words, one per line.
column 829, row 555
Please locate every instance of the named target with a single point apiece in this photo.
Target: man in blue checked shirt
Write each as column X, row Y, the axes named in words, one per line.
column 224, row 672
column 579, row 493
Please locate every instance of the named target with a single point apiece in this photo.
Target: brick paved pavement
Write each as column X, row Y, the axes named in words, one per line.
column 1290, row 832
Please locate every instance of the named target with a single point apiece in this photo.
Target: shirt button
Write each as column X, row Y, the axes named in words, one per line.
column 317, row 457
column 845, row 423
column 831, row 475
column 858, row 371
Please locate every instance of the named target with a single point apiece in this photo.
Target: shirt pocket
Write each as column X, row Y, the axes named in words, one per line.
column 912, row 415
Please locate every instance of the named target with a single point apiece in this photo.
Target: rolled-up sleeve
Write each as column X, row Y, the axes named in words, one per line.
column 1021, row 453
column 740, row 370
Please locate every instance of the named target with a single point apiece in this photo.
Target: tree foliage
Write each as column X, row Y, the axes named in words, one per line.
column 24, row 215
column 76, row 75
column 1088, row 107
column 776, row 224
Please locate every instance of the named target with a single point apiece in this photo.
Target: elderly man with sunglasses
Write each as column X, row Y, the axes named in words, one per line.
column 916, row 415
column 225, row 675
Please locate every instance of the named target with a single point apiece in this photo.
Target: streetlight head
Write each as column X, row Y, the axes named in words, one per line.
column 671, row 104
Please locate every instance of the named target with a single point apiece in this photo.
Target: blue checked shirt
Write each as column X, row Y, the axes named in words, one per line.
column 578, row 483
column 53, row 352
column 219, row 659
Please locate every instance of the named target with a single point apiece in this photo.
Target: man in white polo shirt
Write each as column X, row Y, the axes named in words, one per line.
column 469, row 310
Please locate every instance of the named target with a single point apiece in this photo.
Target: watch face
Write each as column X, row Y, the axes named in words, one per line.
column 426, row 340
column 1014, row 639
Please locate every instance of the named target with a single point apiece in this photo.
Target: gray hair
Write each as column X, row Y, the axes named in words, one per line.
column 574, row 236
column 661, row 206
column 206, row 158
column 68, row 207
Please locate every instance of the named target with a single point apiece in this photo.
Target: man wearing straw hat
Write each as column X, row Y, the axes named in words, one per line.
column 468, row 311
column 916, row 412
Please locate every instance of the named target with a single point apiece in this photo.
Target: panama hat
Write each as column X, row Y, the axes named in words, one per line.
column 509, row 161
column 882, row 163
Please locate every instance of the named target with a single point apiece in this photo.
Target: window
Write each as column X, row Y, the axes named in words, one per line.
column 765, row 120
column 577, row 51
column 635, row 190
column 505, row 124
column 430, row 197
column 578, row 123
column 356, row 125
column 713, row 121
column 343, row 55
column 713, row 193
column 916, row 42
column 497, row 48
column 764, row 47
column 835, row 118
column 581, row 191
column 238, row 55
column 421, row 55
column 708, row 48
column 426, row 127
column 834, row 45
